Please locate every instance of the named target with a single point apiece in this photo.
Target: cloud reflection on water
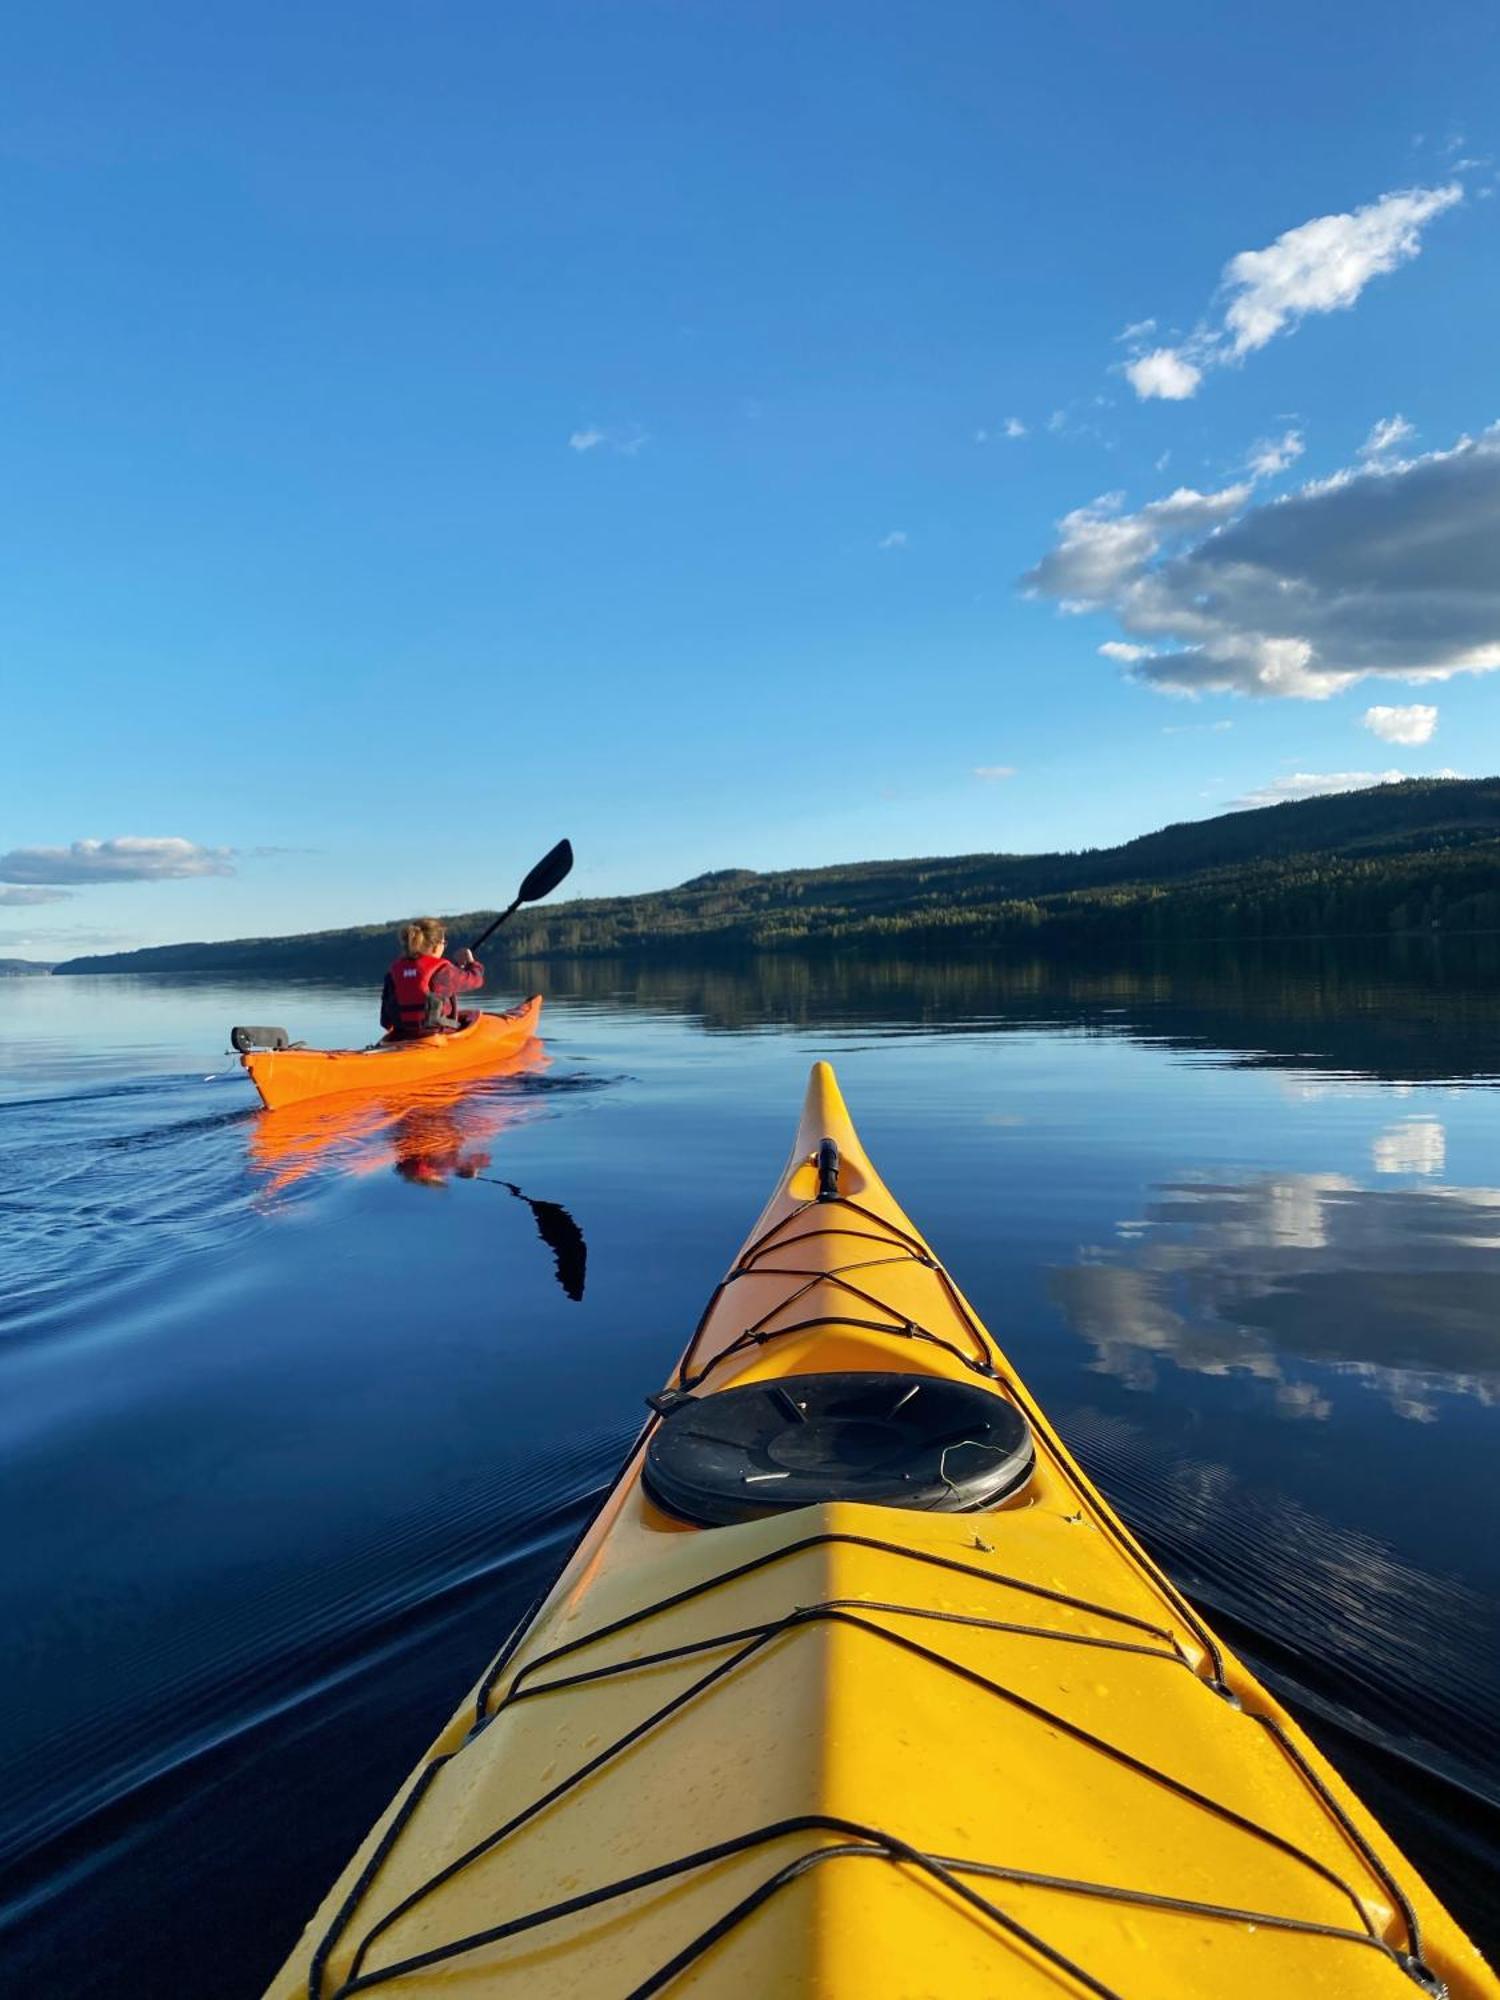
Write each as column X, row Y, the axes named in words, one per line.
column 1396, row 1289
column 1414, row 1146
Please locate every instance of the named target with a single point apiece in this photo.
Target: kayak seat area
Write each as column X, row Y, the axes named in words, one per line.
column 890, row 1440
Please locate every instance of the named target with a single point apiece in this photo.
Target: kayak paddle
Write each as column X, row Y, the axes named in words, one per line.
column 543, row 879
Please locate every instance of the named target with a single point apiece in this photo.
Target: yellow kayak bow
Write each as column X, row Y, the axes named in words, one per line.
column 857, row 1689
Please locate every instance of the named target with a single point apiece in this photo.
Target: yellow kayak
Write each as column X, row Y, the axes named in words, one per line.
column 856, row 1688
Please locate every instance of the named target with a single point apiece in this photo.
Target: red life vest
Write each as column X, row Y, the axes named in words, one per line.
column 421, row 1010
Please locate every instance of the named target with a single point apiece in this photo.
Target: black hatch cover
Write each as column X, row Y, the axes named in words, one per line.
column 890, row 1440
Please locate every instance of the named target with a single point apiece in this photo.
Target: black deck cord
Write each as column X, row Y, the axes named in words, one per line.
column 1413, row 1962
column 842, row 1538
column 837, row 1275
column 760, row 1638
column 896, row 1329
column 340, row 1920
column 868, row 1843
column 885, row 1847
column 527, row 1813
column 757, row 1635
column 871, row 1841
column 763, row 1247
column 805, row 1614
column 893, row 1233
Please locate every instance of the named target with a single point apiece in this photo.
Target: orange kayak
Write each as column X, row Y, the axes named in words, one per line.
column 291, row 1076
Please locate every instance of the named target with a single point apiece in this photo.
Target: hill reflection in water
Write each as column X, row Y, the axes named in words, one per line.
column 1403, row 1011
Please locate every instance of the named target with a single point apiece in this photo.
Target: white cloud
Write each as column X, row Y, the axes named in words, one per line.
column 1164, row 372
column 896, row 539
column 627, row 439
column 1014, row 428
column 1387, row 570
column 1318, row 784
column 1272, row 455
column 1321, row 266
column 993, row 774
column 1103, row 550
column 1386, row 435
column 1138, row 330
column 127, row 859
column 1413, row 724
column 28, row 898
column 1117, row 649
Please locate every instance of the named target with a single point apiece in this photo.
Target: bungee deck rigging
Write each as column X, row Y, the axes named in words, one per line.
column 1070, row 1785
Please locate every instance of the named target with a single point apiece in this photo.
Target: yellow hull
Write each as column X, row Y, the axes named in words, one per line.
column 864, row 1752
column 294, row 1076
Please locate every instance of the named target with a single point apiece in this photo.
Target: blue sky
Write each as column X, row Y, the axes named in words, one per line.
column 431, row 428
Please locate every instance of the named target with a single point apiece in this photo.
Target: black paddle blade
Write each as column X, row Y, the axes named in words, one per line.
column 548, row 872
column 542, row 880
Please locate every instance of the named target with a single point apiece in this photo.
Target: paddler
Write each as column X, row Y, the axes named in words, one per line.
column 421, row 988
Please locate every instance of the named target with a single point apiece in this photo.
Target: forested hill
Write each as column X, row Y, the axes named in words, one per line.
column 1412, row 856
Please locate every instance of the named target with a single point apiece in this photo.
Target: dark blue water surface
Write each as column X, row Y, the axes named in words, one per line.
column 297, row 1412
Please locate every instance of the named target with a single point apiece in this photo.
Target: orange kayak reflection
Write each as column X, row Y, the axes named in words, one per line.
column 425, row 1135
column 428, row 1137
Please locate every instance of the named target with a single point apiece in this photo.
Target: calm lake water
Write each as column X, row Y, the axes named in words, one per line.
column 296, row 1414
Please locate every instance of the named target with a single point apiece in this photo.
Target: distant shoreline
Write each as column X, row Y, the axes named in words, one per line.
column 1412, row 859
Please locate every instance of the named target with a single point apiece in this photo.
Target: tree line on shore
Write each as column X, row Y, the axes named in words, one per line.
column 1421, row 856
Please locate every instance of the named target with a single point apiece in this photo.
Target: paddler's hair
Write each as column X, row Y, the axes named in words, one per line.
column 422, row 934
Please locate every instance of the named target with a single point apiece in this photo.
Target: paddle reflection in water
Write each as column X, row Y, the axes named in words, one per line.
column 428, row 1138
column 559, row 1232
